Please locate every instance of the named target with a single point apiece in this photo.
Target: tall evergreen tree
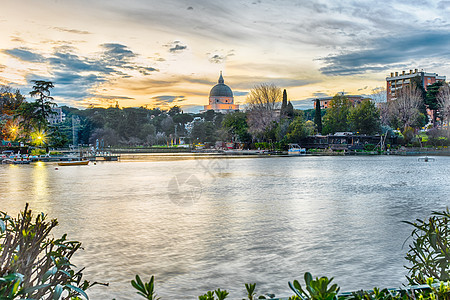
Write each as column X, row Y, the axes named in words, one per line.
column 284, row 105
column 44, row 102
column 318, row 117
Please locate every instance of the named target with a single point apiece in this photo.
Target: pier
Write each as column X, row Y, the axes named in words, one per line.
column 104, row 156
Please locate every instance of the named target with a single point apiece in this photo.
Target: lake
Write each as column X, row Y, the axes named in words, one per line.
column 203, row 222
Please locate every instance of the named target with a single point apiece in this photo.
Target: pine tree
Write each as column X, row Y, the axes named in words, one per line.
column 44, row 102
column 318, row 117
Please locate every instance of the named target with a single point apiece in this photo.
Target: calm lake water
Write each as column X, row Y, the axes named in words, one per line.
column 199, row 224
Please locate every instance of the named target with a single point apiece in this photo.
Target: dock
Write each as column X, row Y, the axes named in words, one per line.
column 107, row 156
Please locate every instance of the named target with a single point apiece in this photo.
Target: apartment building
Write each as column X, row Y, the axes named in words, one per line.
column 396, row 81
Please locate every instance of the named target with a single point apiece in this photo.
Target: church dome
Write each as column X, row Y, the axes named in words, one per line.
column 221, row 89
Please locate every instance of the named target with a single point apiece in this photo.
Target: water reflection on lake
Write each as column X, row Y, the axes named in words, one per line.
column 200, row 223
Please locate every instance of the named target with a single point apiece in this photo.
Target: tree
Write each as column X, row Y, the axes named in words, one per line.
column 443, row 99
column 406, row 107
column 298, row 130
column 283, row 105
column 235, row 123
column 290, row 110
column 108, row 135
column 282, row 130
column 431, row 99
column 318, row 117
column 204, row 132
column 33, row 116
column 209, row 115
column 10, row 101
column 364, row 118
column 310, row 127
column 336, row 117
column 174, row 110
column 168, row 126
column 418, row 83
column 44, row 102
column 262, row 103
column 182, row 118
column 57, row 138
column 25, row 115
column 378, row 95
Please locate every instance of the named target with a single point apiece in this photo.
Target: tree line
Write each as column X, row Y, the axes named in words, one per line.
column 269, row 117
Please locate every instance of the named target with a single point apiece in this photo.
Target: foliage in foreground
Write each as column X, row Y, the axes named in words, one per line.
column 321, row 289
column 34, row 265
column 316, row 289
column 429, row 254
column 146, row 290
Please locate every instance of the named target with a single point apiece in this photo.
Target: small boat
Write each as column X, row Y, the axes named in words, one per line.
column 426, row 159
column 74, row 163
column 295, row 149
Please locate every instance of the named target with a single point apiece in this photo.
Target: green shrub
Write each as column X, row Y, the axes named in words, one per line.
column 369, row 147
column 34, row 265
column 37, row 152
column 317, row 289
column 416, row 143
column 146, row 290
column 429, row 253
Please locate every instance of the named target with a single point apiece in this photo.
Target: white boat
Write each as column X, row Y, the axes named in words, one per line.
column 426, row 159
column 295, row 149
column 15, row 161
column 8, row 157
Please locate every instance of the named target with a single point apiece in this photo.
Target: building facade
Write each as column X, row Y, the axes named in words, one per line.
column 57, row 117
column 221, row 98
column 396, row 81
column 325, row 101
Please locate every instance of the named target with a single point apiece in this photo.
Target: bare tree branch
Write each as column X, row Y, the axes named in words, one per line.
column 262, row 105
column 443, row 98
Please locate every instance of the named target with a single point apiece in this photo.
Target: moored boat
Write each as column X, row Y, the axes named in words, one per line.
column 426, row 159
column 295, row 149
column 16, row 161
column 74, row 163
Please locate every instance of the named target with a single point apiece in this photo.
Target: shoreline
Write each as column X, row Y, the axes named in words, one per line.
column 262, row 153
column 142, row 154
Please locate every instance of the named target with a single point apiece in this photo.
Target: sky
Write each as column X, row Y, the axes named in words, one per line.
column 156, row 53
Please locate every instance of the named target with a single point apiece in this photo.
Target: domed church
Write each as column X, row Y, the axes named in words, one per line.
column 221, row 98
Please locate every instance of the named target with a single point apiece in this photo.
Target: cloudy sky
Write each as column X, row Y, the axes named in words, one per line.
column 165, row 53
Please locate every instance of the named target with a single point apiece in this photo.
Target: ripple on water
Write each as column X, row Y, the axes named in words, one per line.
column 255, row 220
